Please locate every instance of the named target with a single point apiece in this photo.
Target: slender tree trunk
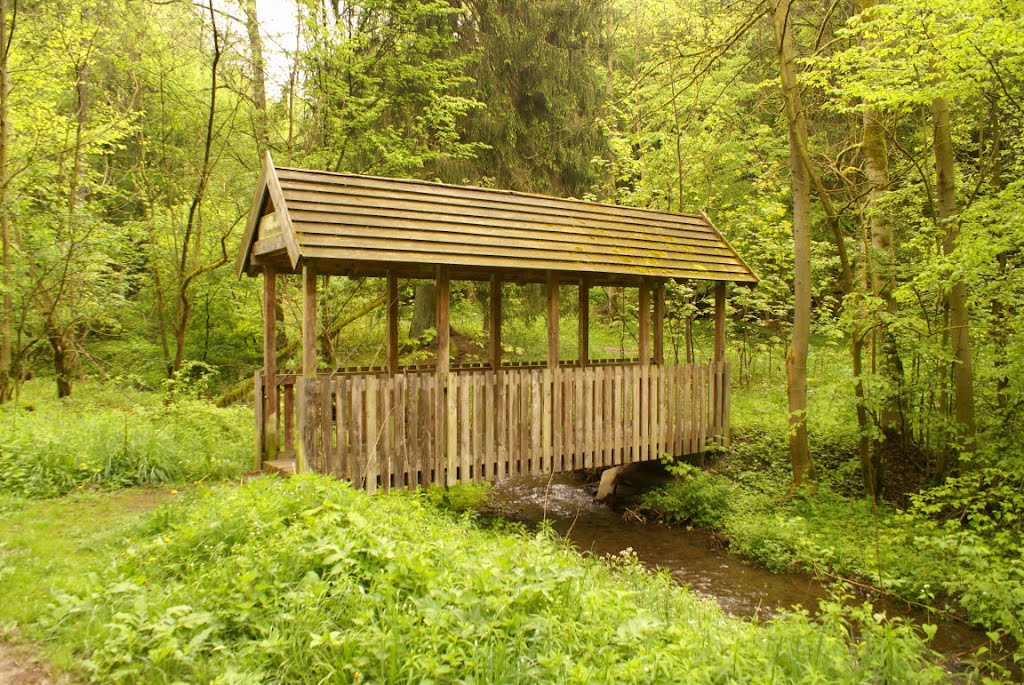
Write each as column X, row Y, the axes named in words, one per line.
column 259, row 87
column 959, row 316
column 7, row 279
column 796, row 359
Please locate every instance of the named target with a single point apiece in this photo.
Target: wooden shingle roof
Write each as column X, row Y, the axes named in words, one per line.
column 301, row 214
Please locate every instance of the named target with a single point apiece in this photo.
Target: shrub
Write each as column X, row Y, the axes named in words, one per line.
column 695, row 497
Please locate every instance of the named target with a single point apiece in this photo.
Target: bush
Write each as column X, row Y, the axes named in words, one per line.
column 695, row 497
column 52, row 447
column 306, row 580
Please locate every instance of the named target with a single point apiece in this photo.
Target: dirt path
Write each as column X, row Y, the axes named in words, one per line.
column 20, row 666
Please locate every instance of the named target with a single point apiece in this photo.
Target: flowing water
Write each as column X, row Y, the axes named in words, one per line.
column 693, row 558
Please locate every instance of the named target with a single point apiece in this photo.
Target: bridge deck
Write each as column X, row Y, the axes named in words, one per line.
column 420, row 428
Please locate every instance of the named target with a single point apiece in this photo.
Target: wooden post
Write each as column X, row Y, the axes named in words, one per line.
column 443, row 325
column 720, row 321
column 495, row 314
column 553, row 320
column 584, row 324
column 659, row 322
column 307, row 392
column 392, row 323
column 645, row 323
column 270, row 410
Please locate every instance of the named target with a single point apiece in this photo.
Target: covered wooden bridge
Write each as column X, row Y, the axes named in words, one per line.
column 404, row 427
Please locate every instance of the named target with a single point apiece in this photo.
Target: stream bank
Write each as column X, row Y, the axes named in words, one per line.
column 698, row 559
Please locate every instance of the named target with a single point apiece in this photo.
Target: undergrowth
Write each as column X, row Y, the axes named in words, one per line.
column 112, row 438
column 308, row 581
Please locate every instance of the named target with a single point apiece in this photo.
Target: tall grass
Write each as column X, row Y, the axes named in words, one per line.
column 308, row 581
column 117, row 437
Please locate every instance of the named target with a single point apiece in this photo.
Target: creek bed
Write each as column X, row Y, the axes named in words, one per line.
column 694, row 558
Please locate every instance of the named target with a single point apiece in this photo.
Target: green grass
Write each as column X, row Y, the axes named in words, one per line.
column 113, row 437
column 308, row 581
column 49, row 547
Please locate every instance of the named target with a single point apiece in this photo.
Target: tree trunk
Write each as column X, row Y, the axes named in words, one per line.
column 259, row 88
column 424, row 310
column 959, row 317
column 6, row 280
column 796, row 359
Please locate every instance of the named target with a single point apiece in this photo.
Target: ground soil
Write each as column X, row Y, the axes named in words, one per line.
column 19, row 665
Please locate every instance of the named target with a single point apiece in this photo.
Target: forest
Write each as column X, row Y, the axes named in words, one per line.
column 866, row 159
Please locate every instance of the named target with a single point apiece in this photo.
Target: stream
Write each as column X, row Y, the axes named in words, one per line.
column 694, row 558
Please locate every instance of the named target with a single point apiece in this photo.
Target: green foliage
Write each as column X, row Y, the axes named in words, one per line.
column 695, row 498
column 116, row 439
column 459, row 498
column 305, row 579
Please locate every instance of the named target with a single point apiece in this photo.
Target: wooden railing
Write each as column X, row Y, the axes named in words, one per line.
column 416, row 429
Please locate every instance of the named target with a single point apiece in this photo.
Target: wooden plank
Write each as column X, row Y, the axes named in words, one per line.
column 536, row 424
column 358, row 439
column 289, row 417
column 395, row 189
column 494, row 352
column 619, row 414
column 501, row 421
column 579, row 434
column 525, row 398
column 338, row 250
column 309, row 362
column 257, row 391
column 490, row 414
column 372, row 434
column 720, row 322
column 403, row 479
column 330, row 456
column 451, row 427
column 601, row 417
column 659, row 322
column 727, row 401
column 547, row 394
column 465, row 420
column 396, row 238
column 588, row 417
column 700, row 412
column 415, row 446
column 386, row 447
column 341, row 426
column 644, row 323
column 270, row 411
column 636, row 426
column 392, row 312
column 477, row 449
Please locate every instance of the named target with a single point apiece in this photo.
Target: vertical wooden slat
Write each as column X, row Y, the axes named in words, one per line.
column 330, row 456
column 307, row 407
column 478, row 451
column 372, row 467
column 465, row 419
column 451, row 426
column 727, row 402
column 525, row 398
column 501, row 422
column 415, row 446
column 619, row 415
column 536, row 423
column 688, row 447
column 258, row 403
column 587, row 436
column 636, row 424
column 341, row 426
column 547, row 394
column 358, row 439
column 289, row 417
column 579, row 441
column 556, row 420
column 645, row 412
column 490, row 414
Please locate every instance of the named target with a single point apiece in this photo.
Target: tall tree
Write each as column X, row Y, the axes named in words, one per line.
column 796, row 359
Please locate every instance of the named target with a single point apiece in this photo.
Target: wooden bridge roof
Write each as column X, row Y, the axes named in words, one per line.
column 364, row 225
